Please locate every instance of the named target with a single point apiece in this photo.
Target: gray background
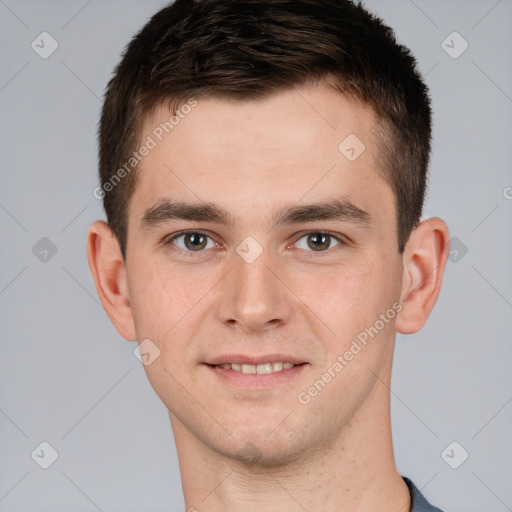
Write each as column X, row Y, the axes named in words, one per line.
column 69, row 379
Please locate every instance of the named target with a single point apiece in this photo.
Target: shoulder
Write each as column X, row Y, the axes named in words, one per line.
column 418, row 501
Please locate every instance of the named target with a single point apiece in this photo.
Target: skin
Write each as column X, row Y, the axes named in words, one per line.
column 263, row 449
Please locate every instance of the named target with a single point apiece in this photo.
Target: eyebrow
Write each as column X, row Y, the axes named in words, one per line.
column 340, row 210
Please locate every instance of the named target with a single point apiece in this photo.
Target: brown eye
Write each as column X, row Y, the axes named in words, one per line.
column 193, row 241
column 318, row 241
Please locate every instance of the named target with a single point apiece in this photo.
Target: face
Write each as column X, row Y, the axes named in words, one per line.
column 278, row 283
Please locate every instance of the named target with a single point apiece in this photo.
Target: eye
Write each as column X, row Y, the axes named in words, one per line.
column 193, row 241
column 197, row 241
column 319, row 241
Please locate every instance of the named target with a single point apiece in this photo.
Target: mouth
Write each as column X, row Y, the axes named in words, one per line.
column 259, row 369
column 256, row 372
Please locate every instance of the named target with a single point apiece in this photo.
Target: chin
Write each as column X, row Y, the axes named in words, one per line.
column 253, row 455
column 264, row 450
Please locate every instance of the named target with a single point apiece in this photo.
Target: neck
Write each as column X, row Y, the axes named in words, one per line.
column 353, row 472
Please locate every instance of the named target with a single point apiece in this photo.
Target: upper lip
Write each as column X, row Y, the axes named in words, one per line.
column 259, row 359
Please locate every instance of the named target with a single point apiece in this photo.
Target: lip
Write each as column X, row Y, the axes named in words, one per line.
column 256, row 381
column 259, row 359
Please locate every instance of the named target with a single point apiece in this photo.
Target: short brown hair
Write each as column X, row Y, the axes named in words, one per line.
column 249, row 49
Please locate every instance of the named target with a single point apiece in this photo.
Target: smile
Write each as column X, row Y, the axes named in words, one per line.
column 259, row 368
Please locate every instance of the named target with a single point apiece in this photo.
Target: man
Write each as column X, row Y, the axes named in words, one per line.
column 263, row 168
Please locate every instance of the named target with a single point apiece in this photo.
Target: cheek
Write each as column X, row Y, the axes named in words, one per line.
column 158, row 300
column 337, row 293
column 169, row 305
column 348, row 299
column 337, row 299
column 162, row 302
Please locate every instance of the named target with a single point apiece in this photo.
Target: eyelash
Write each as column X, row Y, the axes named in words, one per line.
column 168, row 241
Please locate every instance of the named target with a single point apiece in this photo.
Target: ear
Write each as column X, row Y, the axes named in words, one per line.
column 424, row 260
column 109, row 273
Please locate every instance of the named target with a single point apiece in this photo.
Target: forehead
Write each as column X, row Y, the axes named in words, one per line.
column 299, row 117
column 308, row 143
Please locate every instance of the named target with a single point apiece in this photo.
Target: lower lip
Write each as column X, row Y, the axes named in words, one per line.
column 257, row 380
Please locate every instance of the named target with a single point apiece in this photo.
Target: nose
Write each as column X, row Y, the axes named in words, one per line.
column 254, row 297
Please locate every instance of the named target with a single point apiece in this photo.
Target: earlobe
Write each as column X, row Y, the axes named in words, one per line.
column 109, row 274
column 424, row 260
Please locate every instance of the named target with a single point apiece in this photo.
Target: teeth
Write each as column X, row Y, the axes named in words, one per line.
column 248, row 368
column 264, row 368
column 259, row 369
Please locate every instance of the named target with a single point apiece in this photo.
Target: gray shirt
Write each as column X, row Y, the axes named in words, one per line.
column 418, row 501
